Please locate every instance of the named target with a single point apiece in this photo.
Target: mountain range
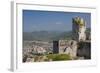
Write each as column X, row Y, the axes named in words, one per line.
column 48, row 35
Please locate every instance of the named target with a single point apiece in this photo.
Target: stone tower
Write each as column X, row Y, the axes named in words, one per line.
column 79, row 28
column 56, row 46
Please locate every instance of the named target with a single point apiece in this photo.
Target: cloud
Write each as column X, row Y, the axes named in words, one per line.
column 58, row 23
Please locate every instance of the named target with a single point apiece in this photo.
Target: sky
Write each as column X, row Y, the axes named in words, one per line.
column 34, row 20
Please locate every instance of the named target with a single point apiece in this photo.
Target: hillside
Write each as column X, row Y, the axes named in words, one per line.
column 45, row 35
column 49, row 35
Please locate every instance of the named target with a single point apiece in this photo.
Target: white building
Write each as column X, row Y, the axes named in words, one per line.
column 38, row 50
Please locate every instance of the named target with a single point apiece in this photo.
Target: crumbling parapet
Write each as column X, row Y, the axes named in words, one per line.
column 65, row 47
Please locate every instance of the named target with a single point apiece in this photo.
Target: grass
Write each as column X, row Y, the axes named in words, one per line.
column 49, row 57
column 58, row 57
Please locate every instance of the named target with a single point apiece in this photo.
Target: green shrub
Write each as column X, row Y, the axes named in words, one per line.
column 59, row 57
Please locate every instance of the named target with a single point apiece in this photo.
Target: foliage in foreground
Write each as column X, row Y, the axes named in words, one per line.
column 59, row 57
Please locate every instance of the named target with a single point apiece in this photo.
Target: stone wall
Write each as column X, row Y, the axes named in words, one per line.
column 65, row 47
column 84, row 49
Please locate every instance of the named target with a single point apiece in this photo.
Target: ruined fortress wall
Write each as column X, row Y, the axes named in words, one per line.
column 79, row 46
column 84, row 49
